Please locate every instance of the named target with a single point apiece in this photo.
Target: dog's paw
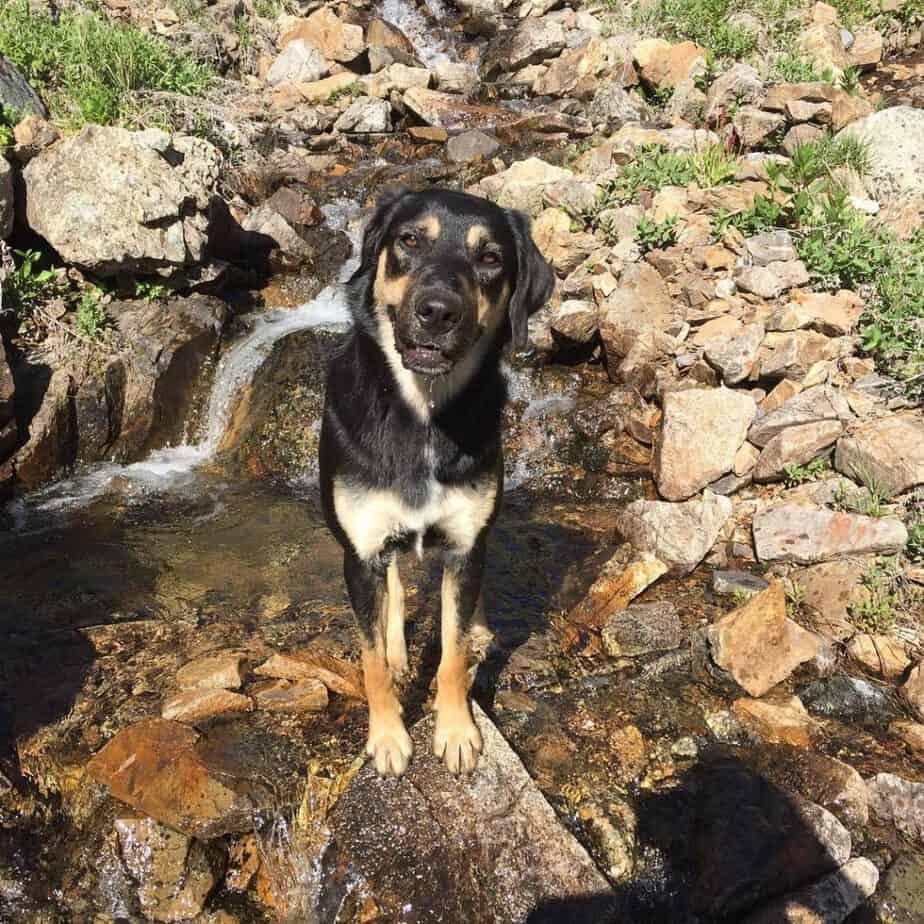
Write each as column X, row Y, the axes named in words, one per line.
column 390, row 748
column 457, row 740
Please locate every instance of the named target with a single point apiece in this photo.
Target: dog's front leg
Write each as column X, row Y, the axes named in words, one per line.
column 456, row 737
column 389, row 744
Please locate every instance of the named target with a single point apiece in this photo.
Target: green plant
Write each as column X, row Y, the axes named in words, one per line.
column 792, row 68
column 150, row 291
column 351, row 91
column 713, row 166
column 702, row 21
column 854, row 12
column 875, row 612
column 28, row 284
column 88, row 67
column 870, row 500
column 90, row 318
column 653, row 168
column 915, row 547
column 9, row 119
column 653, row 235
column 795, row 598
column 811, row 471
column 850, row 80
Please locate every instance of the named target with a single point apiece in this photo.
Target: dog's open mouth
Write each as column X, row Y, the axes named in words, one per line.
column 424, row 358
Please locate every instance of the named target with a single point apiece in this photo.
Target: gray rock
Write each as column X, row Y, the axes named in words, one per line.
column 895, row 139
column 365, row 115
column 805, row 535
column 754, row 125
column 822, row 402
column 16, row 94
column 771, row 247
column 114, row 201
column 795, row 446
column 900, row 896
column 642, row 628
column 897, row 801
column 613, row 106
column 470, row 146
column 830, row 900
column 300, row 60
column 531, row 42
column 7, row 200
column 792, row 355
column 680, row 534
column 730, row 582
column 849, row 699
column 734, row 357
column 739, row 85
column 500, row 850
column 888, row 453
column 51, row 434
column 773, row 279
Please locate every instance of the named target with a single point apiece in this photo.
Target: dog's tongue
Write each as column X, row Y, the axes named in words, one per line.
column 425, row 359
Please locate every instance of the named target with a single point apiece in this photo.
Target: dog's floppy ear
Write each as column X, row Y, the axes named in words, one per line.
column 535, row 280
column 377, row 226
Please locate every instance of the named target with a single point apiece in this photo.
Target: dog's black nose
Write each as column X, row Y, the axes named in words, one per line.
column 438, row 314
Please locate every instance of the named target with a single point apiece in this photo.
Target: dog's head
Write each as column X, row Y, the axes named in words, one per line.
column 442, row 271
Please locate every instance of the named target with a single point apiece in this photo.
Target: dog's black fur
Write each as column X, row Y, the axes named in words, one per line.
column 463, row 276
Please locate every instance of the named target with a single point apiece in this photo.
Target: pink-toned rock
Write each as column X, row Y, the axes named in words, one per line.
column 828, row 592
column 219, row 670
column 664, row 65
column 285, row 696
column 199, row 705
column 888, row 453
column 833, row 314
column 780, row 721
column 338, row 675
column 879, row 655
column 758, row 644
column 795, row 446
column 336, row 40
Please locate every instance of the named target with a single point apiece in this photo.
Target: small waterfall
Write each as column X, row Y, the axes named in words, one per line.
column 428, row 42
column 174, row 467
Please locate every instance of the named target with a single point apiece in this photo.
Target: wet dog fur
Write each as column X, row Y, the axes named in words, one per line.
column 410, row 451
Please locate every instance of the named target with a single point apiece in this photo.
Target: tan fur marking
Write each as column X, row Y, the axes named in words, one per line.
column 389, row 744
column 388, row 290
column 476, row 235
column 455, row 737
column 491, row 313
column 395, row 644
column 430, row 226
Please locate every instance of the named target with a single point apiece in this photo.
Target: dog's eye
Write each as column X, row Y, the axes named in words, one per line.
column 489, row 258
column 409, row 239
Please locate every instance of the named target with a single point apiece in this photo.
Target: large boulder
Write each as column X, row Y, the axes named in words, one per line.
column 114, row 201
column 489, row 848
column 703, row 429
column 532, row 41
column 888, row 453
column 335, row 39
column 16, row 94
column 524, row 185
column 895, row 139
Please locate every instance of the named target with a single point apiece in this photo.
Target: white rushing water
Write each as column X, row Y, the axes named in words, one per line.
column 430, row 46
column 174, row 467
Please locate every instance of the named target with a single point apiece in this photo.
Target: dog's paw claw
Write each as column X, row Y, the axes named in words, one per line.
column 390, row 751
column 458, row 742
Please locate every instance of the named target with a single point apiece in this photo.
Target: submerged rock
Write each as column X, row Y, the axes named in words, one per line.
column 641, row 629
column 849, row 700
column 900, row 802
column 479, row 849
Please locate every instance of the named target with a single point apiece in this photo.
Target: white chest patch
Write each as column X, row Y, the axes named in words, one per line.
column 371, row 517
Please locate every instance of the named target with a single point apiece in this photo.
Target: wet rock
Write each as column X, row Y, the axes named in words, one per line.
column 175, row 873
column 7, row 203
column 754, row 125
column 758, row 644
column 612, row 832
column 662, row 64
column 446, row 110
column 879, row 655
column 170, row 345
column 888, row 453
column 524, row 184
column 828, row 591
column 899, row 802
column 752, row 842
column 819, row 403
column 50, row 445
column 731, row 582
column 574, row 320
column 911, row 734
column 630, row 753
column 782, row 721
column 830, row 900
column 301, row 61
column 735, row 357
column 771, row 247
column 620, row 581
column 680, row 534
column 220, row 670
column 470, row 146
column 806, row 535
column 912, row 690
column 895, row 138
column 16, row 94
column 531, row 42
column 199, row 705
column 642, row 628
column 336, row 40
column 738, row 86
column 339, row 676
column 156, row 768
column 795, row 446
column 702, row 430
column 494, row 844
column 285, row 696
column 114, row 201
column 849, row 700
column 365, row 115
column 773, row 279
column 381, row 34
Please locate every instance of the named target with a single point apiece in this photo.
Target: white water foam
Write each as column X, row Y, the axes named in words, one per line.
column 430, row 47
column 173, row 468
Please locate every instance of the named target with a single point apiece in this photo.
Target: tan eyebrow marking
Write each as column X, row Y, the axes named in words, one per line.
column 430, row 225
column 388, row 290
column 476, row 236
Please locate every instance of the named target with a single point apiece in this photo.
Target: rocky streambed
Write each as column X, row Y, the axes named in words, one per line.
column 704, row 701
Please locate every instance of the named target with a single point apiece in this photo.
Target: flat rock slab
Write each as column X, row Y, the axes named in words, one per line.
column 488, row 848
column 888, row 453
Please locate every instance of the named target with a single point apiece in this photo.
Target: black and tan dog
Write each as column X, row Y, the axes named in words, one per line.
column 410, row 443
